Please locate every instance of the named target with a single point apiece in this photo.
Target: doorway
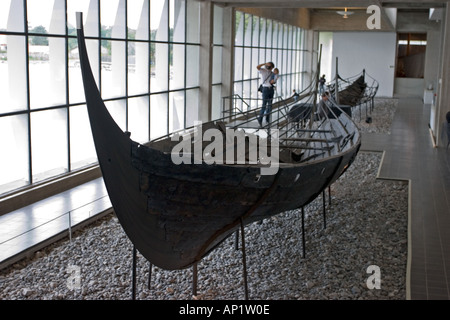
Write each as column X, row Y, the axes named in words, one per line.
column 410, row 64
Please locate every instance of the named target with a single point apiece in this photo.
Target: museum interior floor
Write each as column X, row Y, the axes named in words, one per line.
column 408, row 154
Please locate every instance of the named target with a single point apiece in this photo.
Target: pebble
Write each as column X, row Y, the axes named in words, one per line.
column 366, row 226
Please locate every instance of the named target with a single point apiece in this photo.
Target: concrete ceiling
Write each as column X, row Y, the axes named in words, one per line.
column 311, row 4
column 320, row 15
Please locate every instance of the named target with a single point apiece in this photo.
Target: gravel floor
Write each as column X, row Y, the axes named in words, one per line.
column 381, row 116
column 366, row 227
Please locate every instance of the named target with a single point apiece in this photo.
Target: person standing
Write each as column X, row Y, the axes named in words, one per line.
column 265, row 70
column 322, row 84
column 322, row 107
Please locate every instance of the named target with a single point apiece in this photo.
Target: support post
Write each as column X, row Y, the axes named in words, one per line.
column 324, row 210
column 149, row 275
column 244, row 263
column 303, row 231
column 194, row 279
column 133, row 289
column 329, row 195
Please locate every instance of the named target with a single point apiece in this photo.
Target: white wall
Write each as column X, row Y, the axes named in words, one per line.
column 373, row 51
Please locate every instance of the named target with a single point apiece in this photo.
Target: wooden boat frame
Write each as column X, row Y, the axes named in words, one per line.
column 176, row 214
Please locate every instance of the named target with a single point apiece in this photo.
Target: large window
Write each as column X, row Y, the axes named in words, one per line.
column 260, row 40
column 138, row 51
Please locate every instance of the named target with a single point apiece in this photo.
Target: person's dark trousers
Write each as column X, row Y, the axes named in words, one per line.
column 267, row 95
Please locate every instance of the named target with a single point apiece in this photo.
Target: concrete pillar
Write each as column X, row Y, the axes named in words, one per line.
column 229, row 23
column 206, row 60
column 444, row 81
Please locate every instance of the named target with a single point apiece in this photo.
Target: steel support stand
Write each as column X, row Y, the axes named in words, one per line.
column 244, row 263
column 133, row 289
column 149, row 275
column 324, row 211
column 329, row 195
column 194, row 279
column 303, row 231
column 236, row 242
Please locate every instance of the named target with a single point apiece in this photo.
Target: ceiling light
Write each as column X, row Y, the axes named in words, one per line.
column 345, row 13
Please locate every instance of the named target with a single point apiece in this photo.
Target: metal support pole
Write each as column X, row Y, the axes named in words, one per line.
column 324, row 210
column 236, row 241
column 329, row 195
column 244, row 263
column 303, row 232
column 149, row 275
column 70, row 227
column 194, row 279
column 133, row 289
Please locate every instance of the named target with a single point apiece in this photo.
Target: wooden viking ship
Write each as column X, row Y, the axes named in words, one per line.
column 353, row 91
column 176, row 213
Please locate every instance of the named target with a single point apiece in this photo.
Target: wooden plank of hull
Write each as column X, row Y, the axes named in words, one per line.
column 353, row 93
column 176, row 214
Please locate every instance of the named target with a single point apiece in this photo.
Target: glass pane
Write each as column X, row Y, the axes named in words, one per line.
column 262, row 32
column 255, row 62
column 177, row 20
column 192, row 108
column 248, row 63
column 247, row 92
column 262, row 57
column 248, row 30
column 76, row 89
column 176, row 111
column 90, row 16
column 12, row 15
column 193, row 22
column 255, row 36
column 14, row 163
column 138, row 68
column 177, row 66
column 47, row 71
column 158, row 115
column 113, row 69
column 218, row 25
column 118, row 109
column 254, row 94
column 82, row 149
column 239, row 39
column 216, row 101
column 138, row 19
column 159, row 67
column 13, row 81
column 112, row 18
column 269, row 35
column 238, row 90
column 274, row 42
column 217, row 65
column 138, row 119
column 238, row 63
column 49, row 143
column 46, row 16
column 192, row 67
column 159, row 20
